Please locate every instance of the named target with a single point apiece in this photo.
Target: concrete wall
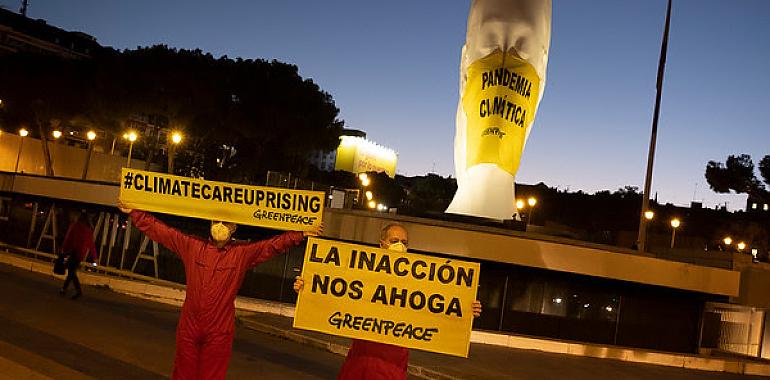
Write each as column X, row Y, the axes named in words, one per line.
column 755, row 282
column 530, row 250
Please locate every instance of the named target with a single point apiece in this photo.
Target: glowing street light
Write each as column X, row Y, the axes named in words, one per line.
column 176, row 138
column 56, row 134
column 23, row 133
column 649, row 214
column 131, row 137
column 532, row 201
column 372, row 204
column 91, row 136
column 728, row 240
column 519, row 204
column 675, row 223
column 369, row 195
column 741, row 246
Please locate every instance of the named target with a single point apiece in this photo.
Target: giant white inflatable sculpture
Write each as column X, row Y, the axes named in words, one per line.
column 502, row 76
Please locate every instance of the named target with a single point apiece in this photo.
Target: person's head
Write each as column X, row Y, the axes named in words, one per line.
column 394, row 236
column 221, row 232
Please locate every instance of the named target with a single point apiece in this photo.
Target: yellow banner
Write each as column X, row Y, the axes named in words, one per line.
column 269, row 207
column 403, row 299
column 500, row 101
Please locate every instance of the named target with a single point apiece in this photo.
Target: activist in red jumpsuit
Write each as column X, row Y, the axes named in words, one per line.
column 368, row 360
column 214, row 269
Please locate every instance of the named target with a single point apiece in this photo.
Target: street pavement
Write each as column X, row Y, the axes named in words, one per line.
column 106, row 335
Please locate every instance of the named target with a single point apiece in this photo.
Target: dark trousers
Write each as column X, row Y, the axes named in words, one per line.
column 72, row 274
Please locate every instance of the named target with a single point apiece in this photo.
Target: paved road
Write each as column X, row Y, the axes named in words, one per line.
column 105, row 335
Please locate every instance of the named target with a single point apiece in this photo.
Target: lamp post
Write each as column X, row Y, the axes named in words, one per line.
column 23, row 133
column 56, row 136
column 365, row 182
column 91, row 136
column 176, row 138
column 649, row 215
column 741, row 246
column 674, row 225
column 727, row 240
column 131, row 137
column 532, row 201
column 642, row 237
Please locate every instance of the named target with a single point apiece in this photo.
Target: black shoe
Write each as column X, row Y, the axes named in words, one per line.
column 77, row 295
column 62, row 292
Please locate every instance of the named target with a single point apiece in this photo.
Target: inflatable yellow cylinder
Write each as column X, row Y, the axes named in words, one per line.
column 502, row 76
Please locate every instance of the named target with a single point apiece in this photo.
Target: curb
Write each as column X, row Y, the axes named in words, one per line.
column 174, row 294
column 334, row 348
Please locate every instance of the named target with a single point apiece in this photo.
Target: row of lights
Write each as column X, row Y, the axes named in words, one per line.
column 131, row 136
column 675, row 223
column 365, row 182
column 729, row 241
column 532, row 201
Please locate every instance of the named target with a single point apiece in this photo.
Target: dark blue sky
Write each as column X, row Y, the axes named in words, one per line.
column 392, row 68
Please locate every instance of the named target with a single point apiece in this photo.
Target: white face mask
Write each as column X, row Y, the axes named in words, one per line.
column 398, row 247
column 220, row 232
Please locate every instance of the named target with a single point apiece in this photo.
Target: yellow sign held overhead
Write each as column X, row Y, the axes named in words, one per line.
column 269, row 207
column 403, row 299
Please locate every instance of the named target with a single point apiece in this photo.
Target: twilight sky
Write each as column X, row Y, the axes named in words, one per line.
column 392, row 68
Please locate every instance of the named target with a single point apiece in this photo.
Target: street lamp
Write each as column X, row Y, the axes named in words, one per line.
column 23, row 133
column 728, row 240
column 741, row 246
column 91, row 136
column 131, row 137
column 176, row 138
column 56, row 134
column 649, row 214
column 372, row 204
column 531, row 202
column 674, row 225
column 519, row 204
column 365, row 181
column 369, row 195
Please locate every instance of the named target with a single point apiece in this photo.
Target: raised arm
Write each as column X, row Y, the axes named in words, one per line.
column 263, row 250
column 158, row 231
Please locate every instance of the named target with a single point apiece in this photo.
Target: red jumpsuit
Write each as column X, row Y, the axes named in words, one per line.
column 204, row 335
column 374, row 361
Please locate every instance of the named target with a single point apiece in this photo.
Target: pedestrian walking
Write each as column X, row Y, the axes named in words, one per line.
column 77, row 247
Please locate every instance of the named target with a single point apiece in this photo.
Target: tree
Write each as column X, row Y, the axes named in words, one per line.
column 737, row 174
column 42, row 93
column 240, row 117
